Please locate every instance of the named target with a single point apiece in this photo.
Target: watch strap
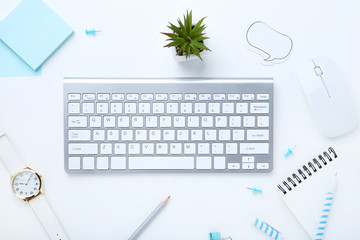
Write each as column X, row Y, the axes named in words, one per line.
column 8, row 155
column 47, row 218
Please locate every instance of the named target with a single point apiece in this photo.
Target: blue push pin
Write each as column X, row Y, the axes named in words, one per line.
column 92, row 31
column 289, row 151
column 255, row 190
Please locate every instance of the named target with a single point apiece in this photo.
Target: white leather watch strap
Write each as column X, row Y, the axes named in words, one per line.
column 8, row 155
column 47, row 218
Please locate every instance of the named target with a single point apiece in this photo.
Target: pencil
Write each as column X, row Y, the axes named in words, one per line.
column 149, row 219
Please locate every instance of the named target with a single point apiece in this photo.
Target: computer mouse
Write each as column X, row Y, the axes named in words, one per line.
column 328, row 96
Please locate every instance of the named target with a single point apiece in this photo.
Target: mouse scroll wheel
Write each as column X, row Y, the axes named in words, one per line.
column 318, row 71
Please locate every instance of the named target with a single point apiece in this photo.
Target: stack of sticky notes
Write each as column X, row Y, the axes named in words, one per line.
column 33, row 32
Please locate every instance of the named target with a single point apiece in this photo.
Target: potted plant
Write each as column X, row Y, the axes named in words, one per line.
column 187, row 39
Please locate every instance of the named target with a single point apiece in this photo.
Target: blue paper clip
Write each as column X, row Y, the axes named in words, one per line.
column 91, row 31
column 255, row 190
column 267, row 229
column 289, row 151
column 215, row 236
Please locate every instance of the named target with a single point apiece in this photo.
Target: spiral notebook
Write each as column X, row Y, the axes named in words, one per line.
column 304, row 190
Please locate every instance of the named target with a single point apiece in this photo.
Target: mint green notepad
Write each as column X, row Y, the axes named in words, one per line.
column 34, row 32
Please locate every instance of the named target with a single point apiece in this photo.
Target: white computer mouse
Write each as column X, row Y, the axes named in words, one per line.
column 328, row 96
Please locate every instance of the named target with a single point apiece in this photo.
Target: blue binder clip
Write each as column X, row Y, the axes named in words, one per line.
column 215, row 236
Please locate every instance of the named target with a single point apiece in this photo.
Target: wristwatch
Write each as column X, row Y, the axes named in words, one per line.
column 27, row 185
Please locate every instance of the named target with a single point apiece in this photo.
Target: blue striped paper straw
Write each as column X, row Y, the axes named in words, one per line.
column 267, row 229
column 326, row 207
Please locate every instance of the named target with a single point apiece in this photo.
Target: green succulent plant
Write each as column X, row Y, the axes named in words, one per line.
column 187, row 38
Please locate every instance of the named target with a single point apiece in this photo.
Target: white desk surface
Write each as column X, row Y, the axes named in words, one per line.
column 112, row 206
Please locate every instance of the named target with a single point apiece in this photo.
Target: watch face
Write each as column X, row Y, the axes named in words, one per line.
column 26, row 184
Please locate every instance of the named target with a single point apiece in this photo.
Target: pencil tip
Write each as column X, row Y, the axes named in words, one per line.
column 166, row 200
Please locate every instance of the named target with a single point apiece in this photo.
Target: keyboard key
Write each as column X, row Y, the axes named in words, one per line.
column 193, row 121
column 165, row 121
column 262, row 97
column 242, row 108
column 82, row 148
column 262, row 165
column 228, row 108
column 126, row 135
column 73, row 108
column 103, row 96
column 179, row 121
column 205, row 96
column 196, row 135
column 248, row 96
column 79, row 135
column 186, row 108
column 257, row 135
column 158, row 107
column 106, row 148
column 207, row 121
column 88, row 108
column 254, row 148
column 88, row 163
column 123, row 122
column 140, row 135
column 169, row 135
column 175, row 148
column 233, row 96
column 172, row 108
column 77, row 121
column 73, row 96
column 235, row 121
column 118, row 163
column 224, row 135
column 219, row 163
column 190, row 96
column 219, row 97
column 134, row 148
column 95, row 121
column 203, row 162
column 144, row 107
column 161, row 163
column 238, row 135
column 120, row 148
column 248, row 159
column 210, row 135
column 259, row 108
column 249, row 121
column 113, row 135
column 102, row 163
column 175, row 97
column 161, row 96
column 263, row 121
column 130, row 108
column 182, row 135
column 200, row 108
column 155, row 135
column 203, row 148
column 233, row 165
column 89, row 97
column 74, row 163
column 99, row 135
column 109, row 121
column 214, row 107
column 189, row 148
column 221, row 121
column 151, row 121
column 231, row 148
column 137, row 121
column 116, row 107
column 147, row 96
column 148, row 148
column 118, row 97
column 248, row 166
column 102, row 108
column 132, row 96
column 217, row 148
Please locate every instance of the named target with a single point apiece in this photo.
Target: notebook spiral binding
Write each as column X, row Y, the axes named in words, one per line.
column 308, row 170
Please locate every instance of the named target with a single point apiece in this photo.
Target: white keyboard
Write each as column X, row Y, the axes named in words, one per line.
column 168, row 125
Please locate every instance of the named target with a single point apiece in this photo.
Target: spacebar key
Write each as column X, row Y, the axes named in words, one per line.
column 161, row 163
